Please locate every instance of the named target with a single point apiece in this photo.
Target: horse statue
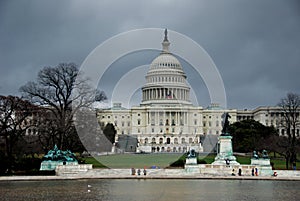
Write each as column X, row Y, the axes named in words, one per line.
column 225, row 117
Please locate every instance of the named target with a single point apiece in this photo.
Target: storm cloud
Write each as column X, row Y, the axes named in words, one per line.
column 254, row 44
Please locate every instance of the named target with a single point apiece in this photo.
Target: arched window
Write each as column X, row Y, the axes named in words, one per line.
column 175, row 140
column 168, row 140
column 161, row 140
column 153, row 141
column 182, row 141
column 146, row 140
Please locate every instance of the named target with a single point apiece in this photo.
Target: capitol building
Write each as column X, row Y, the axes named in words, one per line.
column 166, row 120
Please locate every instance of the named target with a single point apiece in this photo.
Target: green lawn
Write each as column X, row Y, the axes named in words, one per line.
column 160, row 160
column 137, row 160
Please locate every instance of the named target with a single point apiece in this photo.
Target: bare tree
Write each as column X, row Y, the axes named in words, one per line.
column 290, row 106
column 14, row 113
column 53, row 91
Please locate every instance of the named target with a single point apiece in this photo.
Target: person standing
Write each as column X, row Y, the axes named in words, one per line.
column 294, row 165
column 240, row 172
column 256, row 172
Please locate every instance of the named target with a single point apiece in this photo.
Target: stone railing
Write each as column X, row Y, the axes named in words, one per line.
column 72, row 169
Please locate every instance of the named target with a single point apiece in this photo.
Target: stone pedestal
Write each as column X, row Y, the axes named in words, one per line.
column 263, row 165
column 191, row 161
column 225, row 152
column 191, row 165
column 51, row 165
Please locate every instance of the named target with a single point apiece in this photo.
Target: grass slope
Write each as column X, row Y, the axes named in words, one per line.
column 159, row 160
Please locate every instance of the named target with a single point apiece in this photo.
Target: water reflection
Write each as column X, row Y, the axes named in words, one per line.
column 164, row 190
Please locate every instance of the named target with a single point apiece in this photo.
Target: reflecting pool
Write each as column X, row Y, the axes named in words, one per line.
column 150, row 189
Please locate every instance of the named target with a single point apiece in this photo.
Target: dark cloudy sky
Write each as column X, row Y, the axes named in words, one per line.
column 255, row 44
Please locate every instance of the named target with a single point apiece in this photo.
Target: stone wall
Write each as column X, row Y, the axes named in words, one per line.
column 72, row 169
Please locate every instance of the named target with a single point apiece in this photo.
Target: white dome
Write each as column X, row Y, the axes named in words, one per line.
column 165, row 61
column 165, row 80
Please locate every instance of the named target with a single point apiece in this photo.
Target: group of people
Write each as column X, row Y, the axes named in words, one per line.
column 138, row 172
column 254, row 172
column 239, row 172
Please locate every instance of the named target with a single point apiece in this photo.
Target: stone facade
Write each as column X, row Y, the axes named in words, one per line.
column 167, row 121
column 268, row 116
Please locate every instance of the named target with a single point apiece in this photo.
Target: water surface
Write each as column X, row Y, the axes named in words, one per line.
column 150, row 189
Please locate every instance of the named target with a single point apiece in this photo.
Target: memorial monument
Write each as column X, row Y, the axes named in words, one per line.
column 57, row 157
column 191, row 165
column 191, row 158
column 262, row 163
column 224, row 146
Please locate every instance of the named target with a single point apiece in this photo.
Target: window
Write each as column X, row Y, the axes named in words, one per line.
column 181, row 121
column 173, row 122
column 139, row 122
column 153, row 141
column 160, row 122
column 152, row 122
column 195, row 121
column 152, row 130
column 161, row 140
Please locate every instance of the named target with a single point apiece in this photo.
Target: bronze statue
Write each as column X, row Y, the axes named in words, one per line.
column 265, row 154
column 191, row 154
column 255, row 155
column 225, row 117
column 58, row 155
